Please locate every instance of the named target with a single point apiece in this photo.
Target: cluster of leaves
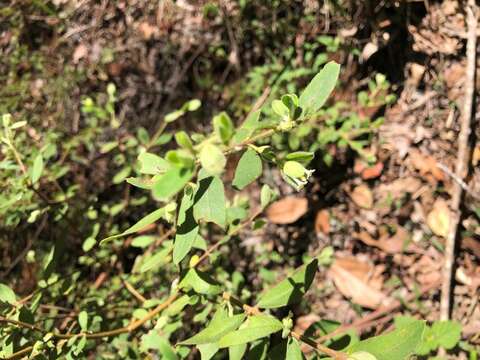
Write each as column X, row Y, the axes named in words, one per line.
column 339, row 125
column 187, row 181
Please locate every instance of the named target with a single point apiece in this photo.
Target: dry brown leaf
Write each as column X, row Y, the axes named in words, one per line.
column 287, row 210
column 426, row 164
column 438, row 220
column 351, row 280
column 471, row 244
column 362, row 196
column 322, row 222
column 79, row 53
column 368, row 172
column 476, row 156
column 372, row 172
column 304, row 322
column 390, row 244
column 416, row 73
column 368, row 50
column 147, row 30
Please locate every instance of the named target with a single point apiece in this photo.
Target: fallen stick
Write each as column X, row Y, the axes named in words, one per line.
column 463, row 157
column 373, row 318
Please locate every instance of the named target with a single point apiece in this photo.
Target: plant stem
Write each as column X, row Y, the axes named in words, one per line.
column 319, row 347
column 253, row 310
column 20, row 353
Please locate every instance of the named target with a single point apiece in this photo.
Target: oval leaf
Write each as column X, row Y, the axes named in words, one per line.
column 212, row 159
column 249, row 168
column 209, row 201
column 37, row 168
column 139, row 225
column 7, row 295
column 318, row 90
column 396, row 345
column 187, row 229
column 256, row 327
column 220, row 325
column 171, row 182
column 291, row 289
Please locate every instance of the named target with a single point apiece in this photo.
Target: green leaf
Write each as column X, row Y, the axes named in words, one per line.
column 37, row 168
column 291, row 102
column 396, row 345
column 183, row 140
column 291, row 289
column 142, row 241
column 207, row 351
column 209, row 201
column 223, row 127
column 152, row 164
column 294, row 169
column 7, row 295
column 178, row 305
column 255, row 327
column 280, row 109
column 171, row 182
column 447, row 333
column 200, row 282
column 267, row 195
column 153, row 340
column 48, row 262
column 302, row 156
column 212, row 159
column 361, row 355
column 181, row 158
column 220, row 325
column 192, row 105
column 145, row 184
column 122, row 175
column 249, row 168
column 165, row 349
column 139, row 225
column 318, row 90
column 155, row 260
column 258, row 350
column 174, row 115
column 83, row 320
column 236, row 352
column 293, row 350
column 249, row 126
column 187, row 229
column 88, row 244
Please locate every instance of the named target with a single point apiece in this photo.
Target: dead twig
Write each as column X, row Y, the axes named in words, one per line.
column 460, row 182
column 463, row 156
column 374, row 317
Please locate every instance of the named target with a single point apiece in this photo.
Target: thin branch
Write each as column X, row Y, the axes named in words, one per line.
column 460, row 182
column 372, row 318
column 463, row 156
column 20, row 353
column 134, row 324
column 253, row 310
column 337, row 355
column 134, row 291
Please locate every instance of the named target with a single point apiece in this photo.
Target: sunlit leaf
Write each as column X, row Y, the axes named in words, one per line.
column 249, row 168
column 291, row 289
column 255, row 327
column 396, row 345
column 37, row 168
column 318, row 90
column 220, row 325
column 209, row 201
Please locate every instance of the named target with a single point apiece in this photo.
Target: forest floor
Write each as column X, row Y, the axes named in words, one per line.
column 387, row 220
